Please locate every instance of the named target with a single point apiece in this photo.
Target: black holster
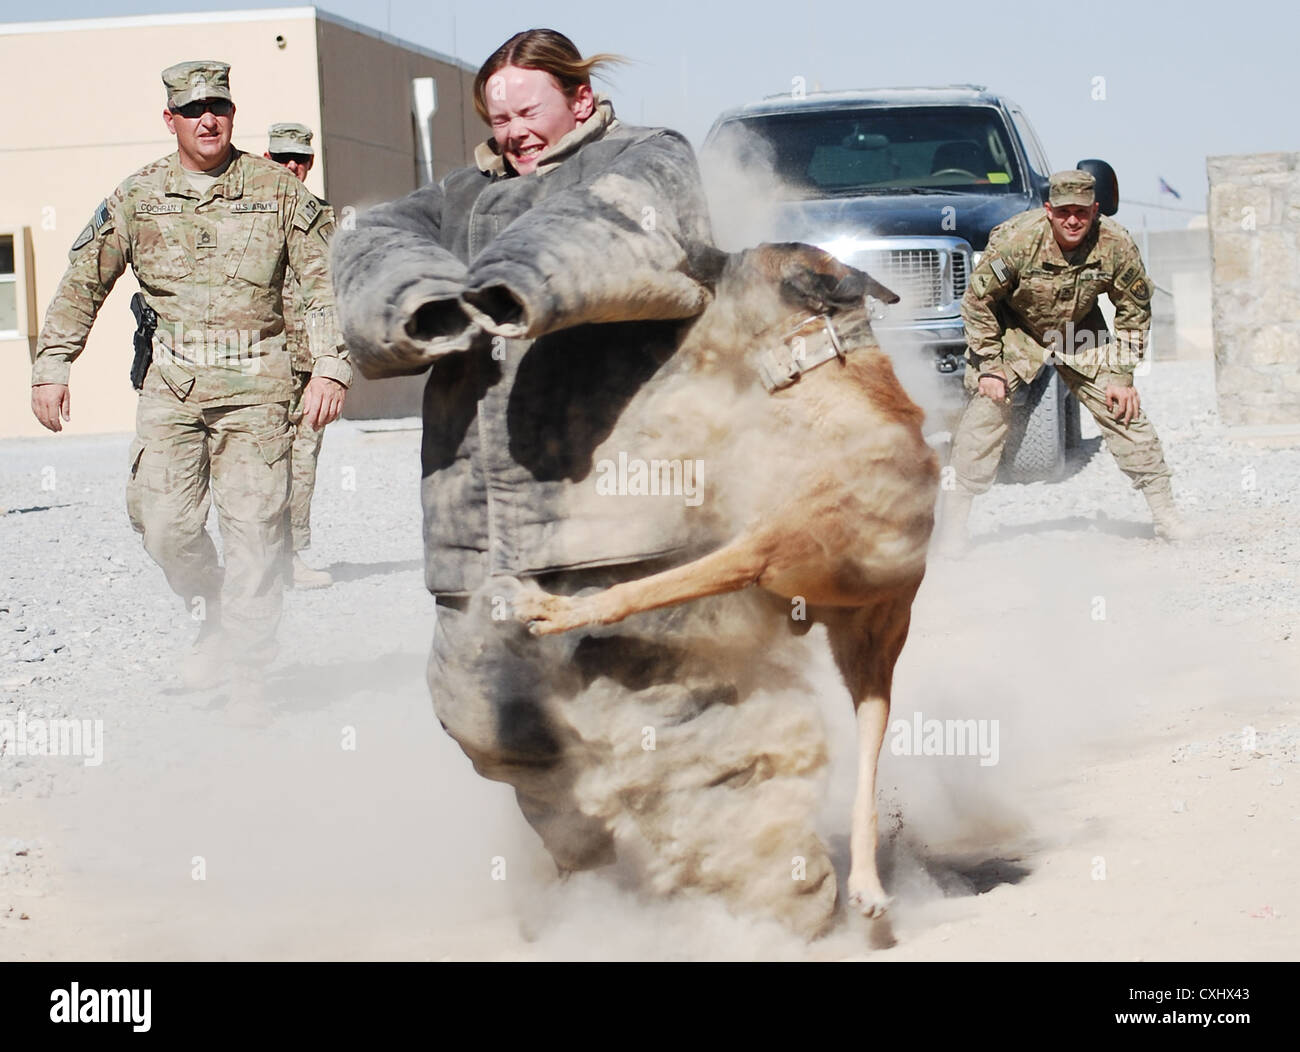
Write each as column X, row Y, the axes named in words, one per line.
column 146, row 322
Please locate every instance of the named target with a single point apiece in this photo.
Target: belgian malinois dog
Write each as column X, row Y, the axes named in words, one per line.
column 847, row 533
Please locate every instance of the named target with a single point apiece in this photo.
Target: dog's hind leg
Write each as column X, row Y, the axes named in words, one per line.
column 866, row 642
column 729, row 569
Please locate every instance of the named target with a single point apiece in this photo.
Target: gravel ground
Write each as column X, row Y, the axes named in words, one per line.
column 1243, row 497
column 354, row 828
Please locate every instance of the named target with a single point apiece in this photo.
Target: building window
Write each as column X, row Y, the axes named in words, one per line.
column 8, row 289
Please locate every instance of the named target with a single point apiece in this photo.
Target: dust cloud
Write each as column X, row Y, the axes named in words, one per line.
column 750, row 204
column 196, row 840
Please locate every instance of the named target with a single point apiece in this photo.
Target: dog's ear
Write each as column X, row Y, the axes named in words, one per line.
column 875, row 290
column 850, row 290
column 706, row 263
column 805, row 286
column 855, row 286
column 821, row 291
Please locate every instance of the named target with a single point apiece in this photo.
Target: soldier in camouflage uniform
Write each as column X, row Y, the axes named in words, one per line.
column 1033, row 300
column 208, row 232
column 290, row 145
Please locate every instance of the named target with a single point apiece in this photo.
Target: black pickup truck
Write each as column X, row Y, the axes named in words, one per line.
column 907, row 183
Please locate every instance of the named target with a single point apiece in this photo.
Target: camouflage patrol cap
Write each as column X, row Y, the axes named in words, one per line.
column 1072, row 187
column 188, row 82
column 290, row 138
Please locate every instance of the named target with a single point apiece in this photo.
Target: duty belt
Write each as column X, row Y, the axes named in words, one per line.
column 812, row 342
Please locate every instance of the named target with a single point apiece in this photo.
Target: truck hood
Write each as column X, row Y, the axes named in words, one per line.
column 903, row 215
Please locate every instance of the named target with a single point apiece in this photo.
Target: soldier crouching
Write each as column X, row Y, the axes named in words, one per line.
column 1033, row 299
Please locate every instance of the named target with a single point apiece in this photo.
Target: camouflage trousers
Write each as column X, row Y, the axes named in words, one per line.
column 306, row 448
column 184, row 457
column 654, row 740
column 982, row 433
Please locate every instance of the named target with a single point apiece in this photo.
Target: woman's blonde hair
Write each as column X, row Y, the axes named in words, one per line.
column 543, row 49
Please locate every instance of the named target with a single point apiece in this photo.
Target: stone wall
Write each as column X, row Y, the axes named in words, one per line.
column 1255, row 244
column 1178, row 262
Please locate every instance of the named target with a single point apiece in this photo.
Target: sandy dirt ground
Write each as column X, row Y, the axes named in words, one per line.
column 1142, row 803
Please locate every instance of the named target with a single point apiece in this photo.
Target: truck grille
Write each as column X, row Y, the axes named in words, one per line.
column 958, row 275
column 925, row 278
column 914, row 273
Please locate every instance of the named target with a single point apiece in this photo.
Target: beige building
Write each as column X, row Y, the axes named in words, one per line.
column 389, row 116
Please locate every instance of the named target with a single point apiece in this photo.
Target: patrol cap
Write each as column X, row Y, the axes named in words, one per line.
column 1071, row 187
column 290, row 138
column 188, row 82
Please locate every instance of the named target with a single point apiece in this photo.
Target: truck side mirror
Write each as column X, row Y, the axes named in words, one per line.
column 1107, row 184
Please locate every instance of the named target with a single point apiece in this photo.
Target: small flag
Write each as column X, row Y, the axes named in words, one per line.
column 1165, row 188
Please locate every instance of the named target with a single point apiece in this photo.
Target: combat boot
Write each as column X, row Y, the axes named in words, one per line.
column 950, row 538
column 305, row 577
column 248, row 705
column 1169, row 525
column 207, row 664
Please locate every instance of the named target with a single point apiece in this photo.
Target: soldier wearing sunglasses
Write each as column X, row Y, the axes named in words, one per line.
column 209, row 232
column 289, row 144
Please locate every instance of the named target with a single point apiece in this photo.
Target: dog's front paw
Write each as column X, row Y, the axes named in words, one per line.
column 871, row 903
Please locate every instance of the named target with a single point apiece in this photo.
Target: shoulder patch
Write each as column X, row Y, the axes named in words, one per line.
column 326, row 231
column 307, row 213
column 98, row 218
column 999, row 270
column 84, row 238
column 1126, row 276
column 1140, row 290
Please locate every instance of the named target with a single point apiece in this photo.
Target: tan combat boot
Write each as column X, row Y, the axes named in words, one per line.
column 208, row 663
column 248, row 705
column 950, row 539
column 1168, row 523
column 305, row 577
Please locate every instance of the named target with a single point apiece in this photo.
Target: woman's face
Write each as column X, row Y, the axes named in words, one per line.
column 528, row 112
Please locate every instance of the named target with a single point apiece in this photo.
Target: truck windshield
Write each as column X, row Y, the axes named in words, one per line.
column 920, row 149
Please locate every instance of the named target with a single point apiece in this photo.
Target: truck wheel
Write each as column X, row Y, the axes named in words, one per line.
column 1035, row 449
column 1073, row 431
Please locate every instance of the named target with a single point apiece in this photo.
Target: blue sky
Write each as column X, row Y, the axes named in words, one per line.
column 1181, row 81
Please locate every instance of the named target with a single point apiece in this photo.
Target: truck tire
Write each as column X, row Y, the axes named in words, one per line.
column 1073, row 430
column 1035, row 449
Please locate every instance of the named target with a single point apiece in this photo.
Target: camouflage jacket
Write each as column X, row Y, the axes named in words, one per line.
column 1028, row 303
column 295, row 319
column 213, row 268
column 541, row 305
